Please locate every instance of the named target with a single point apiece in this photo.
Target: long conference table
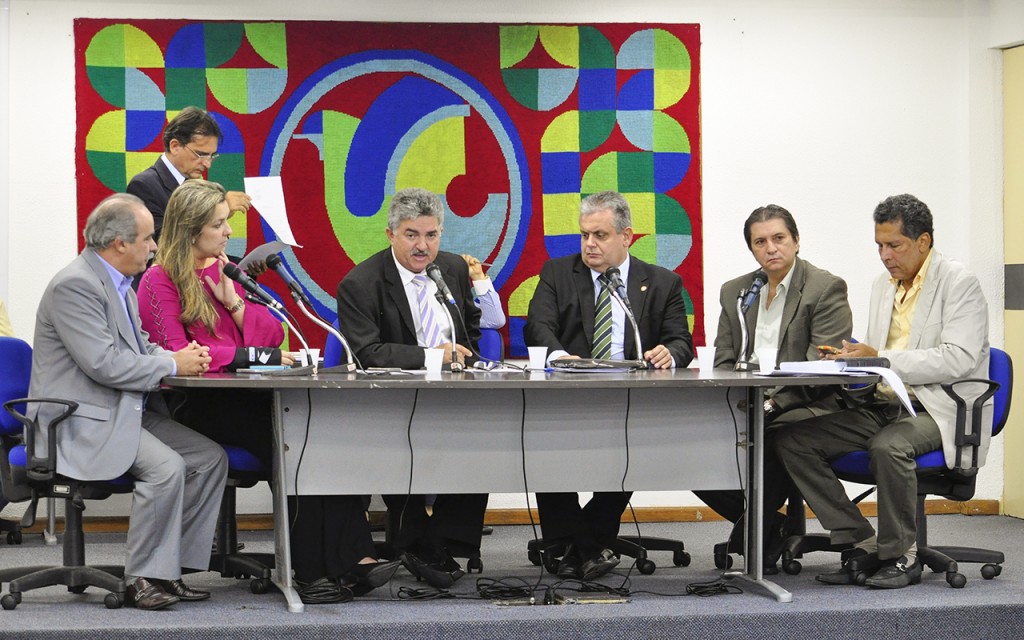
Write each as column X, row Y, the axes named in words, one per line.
column 515, row 432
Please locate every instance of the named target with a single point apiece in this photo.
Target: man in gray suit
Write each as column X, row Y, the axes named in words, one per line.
column 800, row 308
column 89, row 347
column 928, row 316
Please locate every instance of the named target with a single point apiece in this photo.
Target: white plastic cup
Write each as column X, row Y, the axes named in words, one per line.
column 706, row 359
column 538, row 357
column 766, row 357
column 433, row 360
column 309, row 357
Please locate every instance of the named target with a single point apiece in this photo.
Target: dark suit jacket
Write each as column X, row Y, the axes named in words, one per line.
column 374, row 313
column 561, row 315
column 155, row 186
column 816, row 312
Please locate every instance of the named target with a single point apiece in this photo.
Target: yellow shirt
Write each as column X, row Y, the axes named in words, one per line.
column 903, row 306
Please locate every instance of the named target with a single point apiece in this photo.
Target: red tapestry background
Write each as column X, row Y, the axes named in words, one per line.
column 510, row 124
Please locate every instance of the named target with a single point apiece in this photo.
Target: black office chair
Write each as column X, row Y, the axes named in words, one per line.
column 27, row 477
column 244, row 470
column 543, row 553
column 934, row 478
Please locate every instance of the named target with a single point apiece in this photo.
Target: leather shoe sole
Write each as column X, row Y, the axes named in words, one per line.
column 599, row 565
column 858, row 565
column 146, row 595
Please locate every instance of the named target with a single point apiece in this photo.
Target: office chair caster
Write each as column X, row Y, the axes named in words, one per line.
column 681, row 558
column 10, row 601
column 474, row 565
column 723, row 561
column 792, row 567
column 113, row 600
column 14, row 537
column 956, row 580
column 534, row 557
column 990, row 571
column 78, row 588
column 259, row 585
column 645, row 566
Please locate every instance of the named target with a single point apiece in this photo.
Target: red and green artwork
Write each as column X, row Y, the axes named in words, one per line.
column 510, row 124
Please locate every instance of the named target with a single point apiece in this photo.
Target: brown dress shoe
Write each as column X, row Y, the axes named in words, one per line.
column 183, row 592
column 143, row 594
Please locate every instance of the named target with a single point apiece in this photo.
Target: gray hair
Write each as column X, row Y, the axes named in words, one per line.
column 609, row 201
column 112, row 219
column 409, row 204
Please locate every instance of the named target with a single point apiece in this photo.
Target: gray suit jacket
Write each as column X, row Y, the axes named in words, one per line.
column 86, row 350
column 817, row 312
column 948, row 341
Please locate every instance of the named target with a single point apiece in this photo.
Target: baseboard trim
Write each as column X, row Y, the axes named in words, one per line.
column 264, row 522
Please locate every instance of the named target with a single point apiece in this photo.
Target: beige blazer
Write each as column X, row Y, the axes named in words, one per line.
column 948, row 341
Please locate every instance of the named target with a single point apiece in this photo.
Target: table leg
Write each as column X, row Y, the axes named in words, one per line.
column 753, row 567
column 282, row 575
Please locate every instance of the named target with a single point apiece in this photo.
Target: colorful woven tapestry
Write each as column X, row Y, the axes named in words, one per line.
column 510, row 124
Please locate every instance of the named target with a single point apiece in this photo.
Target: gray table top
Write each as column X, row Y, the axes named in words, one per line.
column 474, row 379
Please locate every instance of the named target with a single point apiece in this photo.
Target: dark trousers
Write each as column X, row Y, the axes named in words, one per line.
column 893, row 438
column 591, row 528
column 456, row 523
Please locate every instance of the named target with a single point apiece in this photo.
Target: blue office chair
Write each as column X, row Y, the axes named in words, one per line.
column 244, row 470
column 934, row 478
column 492, row 347
column 24, row 476
column 15, row 369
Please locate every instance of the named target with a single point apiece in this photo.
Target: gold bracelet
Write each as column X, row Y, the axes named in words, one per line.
column 235, row 307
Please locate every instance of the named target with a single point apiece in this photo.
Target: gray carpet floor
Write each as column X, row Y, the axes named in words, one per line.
column 657, row 607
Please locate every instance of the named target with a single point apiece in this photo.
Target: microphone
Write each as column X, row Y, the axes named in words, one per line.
column 434, row 273
column 232, row 271
column 760, row 279
column 615, row 280
column 274, row 262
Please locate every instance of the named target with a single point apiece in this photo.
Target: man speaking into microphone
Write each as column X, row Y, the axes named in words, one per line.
column 572, row 313
column 388, row 310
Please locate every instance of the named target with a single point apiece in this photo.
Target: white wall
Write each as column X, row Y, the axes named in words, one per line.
column 822, row 107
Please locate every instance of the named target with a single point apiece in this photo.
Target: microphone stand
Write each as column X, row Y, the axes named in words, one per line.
column 301, row 370
column 628, row 310
column 350, row 365
column 741, row 362
column 456, row 365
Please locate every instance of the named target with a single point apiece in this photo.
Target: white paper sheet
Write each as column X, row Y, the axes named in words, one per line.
column 268, row 198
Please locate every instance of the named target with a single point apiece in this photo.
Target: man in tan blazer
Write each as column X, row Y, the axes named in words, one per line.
column 89, row 347
column 929, row 317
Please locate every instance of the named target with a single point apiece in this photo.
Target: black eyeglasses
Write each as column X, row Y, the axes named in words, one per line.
column 202, row 155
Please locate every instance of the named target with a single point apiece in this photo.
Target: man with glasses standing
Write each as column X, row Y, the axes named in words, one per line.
column 190, row 147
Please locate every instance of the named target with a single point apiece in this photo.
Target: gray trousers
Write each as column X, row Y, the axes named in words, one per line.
column 179, row 481
column 893, row 438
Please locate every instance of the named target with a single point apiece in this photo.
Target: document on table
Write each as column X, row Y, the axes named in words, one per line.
column 840, row 368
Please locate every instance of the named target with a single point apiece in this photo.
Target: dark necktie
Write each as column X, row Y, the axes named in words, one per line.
column 603, row 322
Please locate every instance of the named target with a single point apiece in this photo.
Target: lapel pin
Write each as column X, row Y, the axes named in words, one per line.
column 643, row 288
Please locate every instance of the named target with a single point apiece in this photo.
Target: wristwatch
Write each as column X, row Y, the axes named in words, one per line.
column 238, row 305
column 770, row 407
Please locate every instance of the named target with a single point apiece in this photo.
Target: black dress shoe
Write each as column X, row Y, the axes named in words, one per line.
column 325, row 590
column 364, row 578
column 439, row 574
column 569, row 565
column 896, row 574
column 857, row 566
column 180, row 589
column 596, row 566
column 143, row 594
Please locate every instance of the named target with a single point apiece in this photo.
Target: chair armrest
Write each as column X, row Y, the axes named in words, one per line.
column 41, row 469
column 968, row 442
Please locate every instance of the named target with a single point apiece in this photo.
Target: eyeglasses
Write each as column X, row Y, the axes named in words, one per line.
column 202, row 155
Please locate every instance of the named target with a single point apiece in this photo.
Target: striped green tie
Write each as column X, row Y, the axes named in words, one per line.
column 603, row 323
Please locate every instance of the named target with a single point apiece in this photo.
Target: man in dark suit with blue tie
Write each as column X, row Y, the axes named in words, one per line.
column 572, row 315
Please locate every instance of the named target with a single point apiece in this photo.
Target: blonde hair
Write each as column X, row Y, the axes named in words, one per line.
column 190, row 208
